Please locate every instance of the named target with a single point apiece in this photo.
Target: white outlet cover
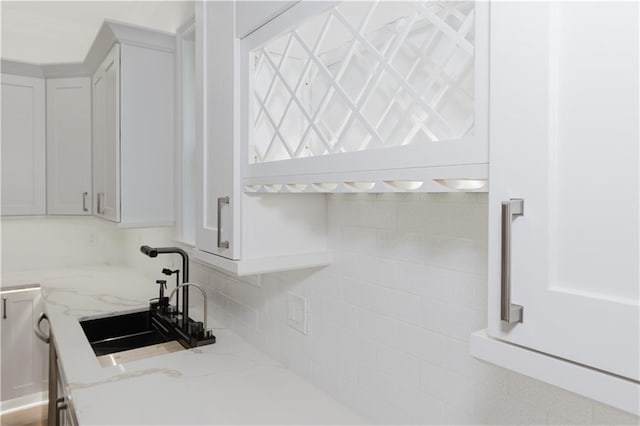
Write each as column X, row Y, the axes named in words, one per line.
column 297, row 312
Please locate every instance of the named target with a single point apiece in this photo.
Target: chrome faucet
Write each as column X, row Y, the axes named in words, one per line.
column 204, row 296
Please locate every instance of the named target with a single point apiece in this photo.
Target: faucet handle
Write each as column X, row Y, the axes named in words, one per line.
column 163, row 286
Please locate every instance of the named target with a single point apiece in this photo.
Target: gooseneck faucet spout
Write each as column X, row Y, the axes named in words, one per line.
column 204, row 297
column 154, row 251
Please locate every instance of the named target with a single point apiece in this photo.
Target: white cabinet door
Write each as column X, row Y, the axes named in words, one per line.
column 24, row 357
column 111, row 199
column 217, row 104
column 23, row 146
column 247, row 229
column 564, row 137
column 98, row 143
column 106, row 137
column 69, row 146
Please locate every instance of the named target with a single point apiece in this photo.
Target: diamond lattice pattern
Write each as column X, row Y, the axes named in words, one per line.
column 364, row 75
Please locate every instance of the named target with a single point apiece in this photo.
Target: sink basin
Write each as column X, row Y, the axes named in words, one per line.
column 122, row 333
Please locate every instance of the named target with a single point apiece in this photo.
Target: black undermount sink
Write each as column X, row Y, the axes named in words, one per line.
column 122, row 332
column 159, row 324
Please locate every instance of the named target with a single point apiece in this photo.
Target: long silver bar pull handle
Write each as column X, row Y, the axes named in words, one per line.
column 509, row 312
column 84, row 202
column 4, row 308
column 222, row 201
column 98, row 202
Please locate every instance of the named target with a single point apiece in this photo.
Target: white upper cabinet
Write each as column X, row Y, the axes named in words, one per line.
column 23, row 145
column 366, row 96
column 106, row 136
column 133, row 132
column 69, row 186
column 241, row 233
column 563, row 263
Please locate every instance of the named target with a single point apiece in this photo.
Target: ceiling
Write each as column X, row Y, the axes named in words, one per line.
column 44, row 32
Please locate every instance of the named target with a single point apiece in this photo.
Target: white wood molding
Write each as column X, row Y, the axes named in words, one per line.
column 263, row 265
column 110, row 32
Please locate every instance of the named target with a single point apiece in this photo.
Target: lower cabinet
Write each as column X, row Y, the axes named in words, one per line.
column 564, row 199
column 64, row 413
column 24, row 357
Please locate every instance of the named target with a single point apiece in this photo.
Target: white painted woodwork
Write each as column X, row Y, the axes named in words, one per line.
column 69, row 185
column 564, row 137
column 133, row 110
column 99, row 122
column 255, row 226
column 23, row 146
column 404, row 101
column 24, row 357
column 186, row 174
column 106, row 137
column 216, row 127
column 147, row 108
column 253, row 14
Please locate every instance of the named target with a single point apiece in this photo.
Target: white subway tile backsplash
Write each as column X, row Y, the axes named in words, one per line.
column 419, row 342
column 404, row 246
column 377, row 214
column 419, row 408
column 390, row 319
column 401, row 366
column 360, row 293
column 242, row 313
column 450, row 319
column 399, row 305
column 366, row 268
column 422, row 280
column 359, row 240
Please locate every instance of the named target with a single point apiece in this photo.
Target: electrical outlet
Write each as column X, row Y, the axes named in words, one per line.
column 297, row 313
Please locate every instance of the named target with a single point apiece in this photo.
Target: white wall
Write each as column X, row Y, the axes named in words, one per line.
column 45, row 242
column 391, row 318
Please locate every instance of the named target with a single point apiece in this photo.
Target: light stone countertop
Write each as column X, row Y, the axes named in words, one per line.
column 229, row 382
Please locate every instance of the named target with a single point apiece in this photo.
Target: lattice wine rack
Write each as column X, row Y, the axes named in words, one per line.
column 362, row 76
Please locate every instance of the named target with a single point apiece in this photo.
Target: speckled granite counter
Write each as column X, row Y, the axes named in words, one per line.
column 229, row 382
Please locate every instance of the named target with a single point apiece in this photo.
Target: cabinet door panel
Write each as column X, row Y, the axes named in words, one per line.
column 98, row 140
column 23, row 146
column 564, row 137
column 69, row 146
column 216, row 56
column 112, row 135
column 23, row 355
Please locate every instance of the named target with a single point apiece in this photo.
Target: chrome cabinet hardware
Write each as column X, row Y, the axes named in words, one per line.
column 98, row 203
column 84, row 202
column 4, row 307
column 38, row 331
column 509, row 312
column 221, row 202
